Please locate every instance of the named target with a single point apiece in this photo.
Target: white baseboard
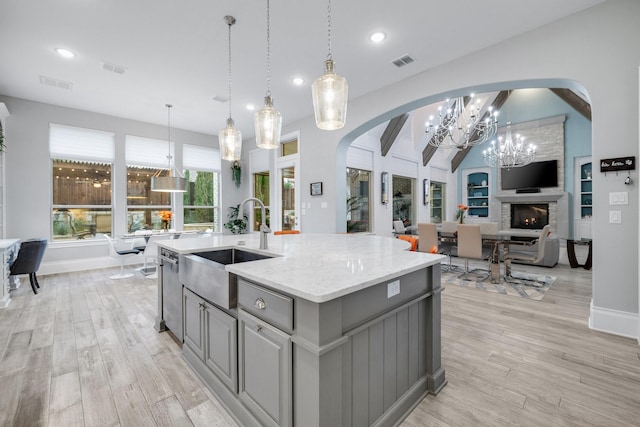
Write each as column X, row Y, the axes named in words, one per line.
column 68, row 266
column 614, row 322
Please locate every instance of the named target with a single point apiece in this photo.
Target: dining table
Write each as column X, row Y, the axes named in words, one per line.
column 496, row 242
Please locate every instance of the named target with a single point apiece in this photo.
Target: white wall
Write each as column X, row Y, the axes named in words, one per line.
column 597, row 52
column 28, row 176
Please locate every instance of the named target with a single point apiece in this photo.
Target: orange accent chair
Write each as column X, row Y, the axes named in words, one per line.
column 410, row 239
column 277, row 233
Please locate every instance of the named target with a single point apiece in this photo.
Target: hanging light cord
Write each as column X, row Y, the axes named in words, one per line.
column 329, row 29
column 268, row 50
column 229, row 23
column 169, row 133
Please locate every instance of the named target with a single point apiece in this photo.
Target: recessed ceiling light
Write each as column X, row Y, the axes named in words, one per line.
column 251, row 107
column 65, row 53
column 298, row 81
column 377, row 37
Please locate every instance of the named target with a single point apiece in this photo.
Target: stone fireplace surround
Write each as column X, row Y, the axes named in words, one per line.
column 558, row 210
column 548, row 135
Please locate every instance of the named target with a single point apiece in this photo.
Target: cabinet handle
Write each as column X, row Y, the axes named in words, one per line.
column 258, row 328
column 260, row 304
column 202, row 306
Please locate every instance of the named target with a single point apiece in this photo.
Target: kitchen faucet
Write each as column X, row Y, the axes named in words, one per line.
column 264, row 230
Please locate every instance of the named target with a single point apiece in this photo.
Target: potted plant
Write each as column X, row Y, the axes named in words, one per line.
column 235, row 224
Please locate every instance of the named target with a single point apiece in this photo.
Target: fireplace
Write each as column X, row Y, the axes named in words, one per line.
column 530, row 216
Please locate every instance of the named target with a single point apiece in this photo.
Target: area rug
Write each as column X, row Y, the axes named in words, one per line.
column 523, row 285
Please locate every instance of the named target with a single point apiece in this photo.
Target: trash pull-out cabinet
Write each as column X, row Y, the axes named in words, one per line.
column 265, row 353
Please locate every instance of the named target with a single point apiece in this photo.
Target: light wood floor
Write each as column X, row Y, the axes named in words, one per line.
column 84, row 352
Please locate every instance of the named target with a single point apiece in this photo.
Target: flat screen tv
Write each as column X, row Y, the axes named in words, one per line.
column 534, row 175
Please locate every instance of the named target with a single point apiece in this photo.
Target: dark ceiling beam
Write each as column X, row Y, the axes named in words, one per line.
column 575, row 101
column 391, row 133
column 497, row 103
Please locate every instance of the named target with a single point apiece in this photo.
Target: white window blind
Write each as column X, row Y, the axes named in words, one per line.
column 360, row 158
column 73, row 143
column 140, row 151
column 195, row 157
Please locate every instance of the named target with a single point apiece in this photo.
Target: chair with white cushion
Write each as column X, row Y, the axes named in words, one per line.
column 150, row 268
column 121, row 255
column 398, row 227
column 514, row 254
column 470, row 247
column 428, row 240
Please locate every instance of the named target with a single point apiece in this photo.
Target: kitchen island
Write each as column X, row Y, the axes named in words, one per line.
column 329, row 330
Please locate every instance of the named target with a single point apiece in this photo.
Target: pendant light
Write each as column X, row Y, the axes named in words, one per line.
column 229, row 138
column 330, row 92
column 174, row 182
column 268, row 121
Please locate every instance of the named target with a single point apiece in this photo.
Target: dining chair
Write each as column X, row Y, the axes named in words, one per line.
column 150, row 253
column 533, row 257
column 398, row 227
column 428, row 239
column 28, row 260
column 411, row 239
column 189, row 235
column 121, row 255
column 470, row 247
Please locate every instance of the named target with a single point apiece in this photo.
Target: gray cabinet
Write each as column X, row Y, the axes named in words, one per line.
column 265, row 370
column 211, row 334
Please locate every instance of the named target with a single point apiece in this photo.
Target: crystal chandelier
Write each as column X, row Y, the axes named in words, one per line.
column 229, row 138
column 174, row 182
column 460, row 125
column 330, row 92
column 268, row 121
column 509, row 153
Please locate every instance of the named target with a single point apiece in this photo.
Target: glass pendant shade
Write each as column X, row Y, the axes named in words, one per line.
column 230, row 141
column 268, row 125
column 330, row 93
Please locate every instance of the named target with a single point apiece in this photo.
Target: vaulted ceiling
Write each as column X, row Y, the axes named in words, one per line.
column 133, row 57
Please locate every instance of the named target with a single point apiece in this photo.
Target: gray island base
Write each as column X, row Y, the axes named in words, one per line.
column 333, row 330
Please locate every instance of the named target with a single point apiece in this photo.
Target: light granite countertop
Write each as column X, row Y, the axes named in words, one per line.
column 316, row 267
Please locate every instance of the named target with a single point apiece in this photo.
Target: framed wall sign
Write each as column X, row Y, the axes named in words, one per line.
column 316, row 189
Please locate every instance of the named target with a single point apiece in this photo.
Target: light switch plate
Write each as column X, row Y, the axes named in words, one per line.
column 619, row 198
column 615, row 217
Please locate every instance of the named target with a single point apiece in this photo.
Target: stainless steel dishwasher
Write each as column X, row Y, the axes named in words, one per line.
column 171, row 292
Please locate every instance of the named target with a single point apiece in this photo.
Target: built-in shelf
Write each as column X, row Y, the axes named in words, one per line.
column 478, row 194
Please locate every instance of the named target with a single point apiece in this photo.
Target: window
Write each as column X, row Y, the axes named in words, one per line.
column 202, row 199
column 82, row 166
column 144, row 157
column 289, row 148
column 358, row 200
column 403, row 190
column 261, row 192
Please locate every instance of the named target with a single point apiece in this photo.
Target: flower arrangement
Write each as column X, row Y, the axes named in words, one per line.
column 460, row 215
column 165, row 217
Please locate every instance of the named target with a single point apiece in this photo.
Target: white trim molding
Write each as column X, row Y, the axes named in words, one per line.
column 614, row 322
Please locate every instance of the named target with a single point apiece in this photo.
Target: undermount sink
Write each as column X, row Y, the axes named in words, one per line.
column 204, row 274
column 231, row 256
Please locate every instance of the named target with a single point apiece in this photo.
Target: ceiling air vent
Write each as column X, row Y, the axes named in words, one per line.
column 402, row 61
column 220, row 98
column 118, row 69
column 49, row 81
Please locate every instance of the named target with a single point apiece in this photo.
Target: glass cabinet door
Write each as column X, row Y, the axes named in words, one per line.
column 437, row 202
